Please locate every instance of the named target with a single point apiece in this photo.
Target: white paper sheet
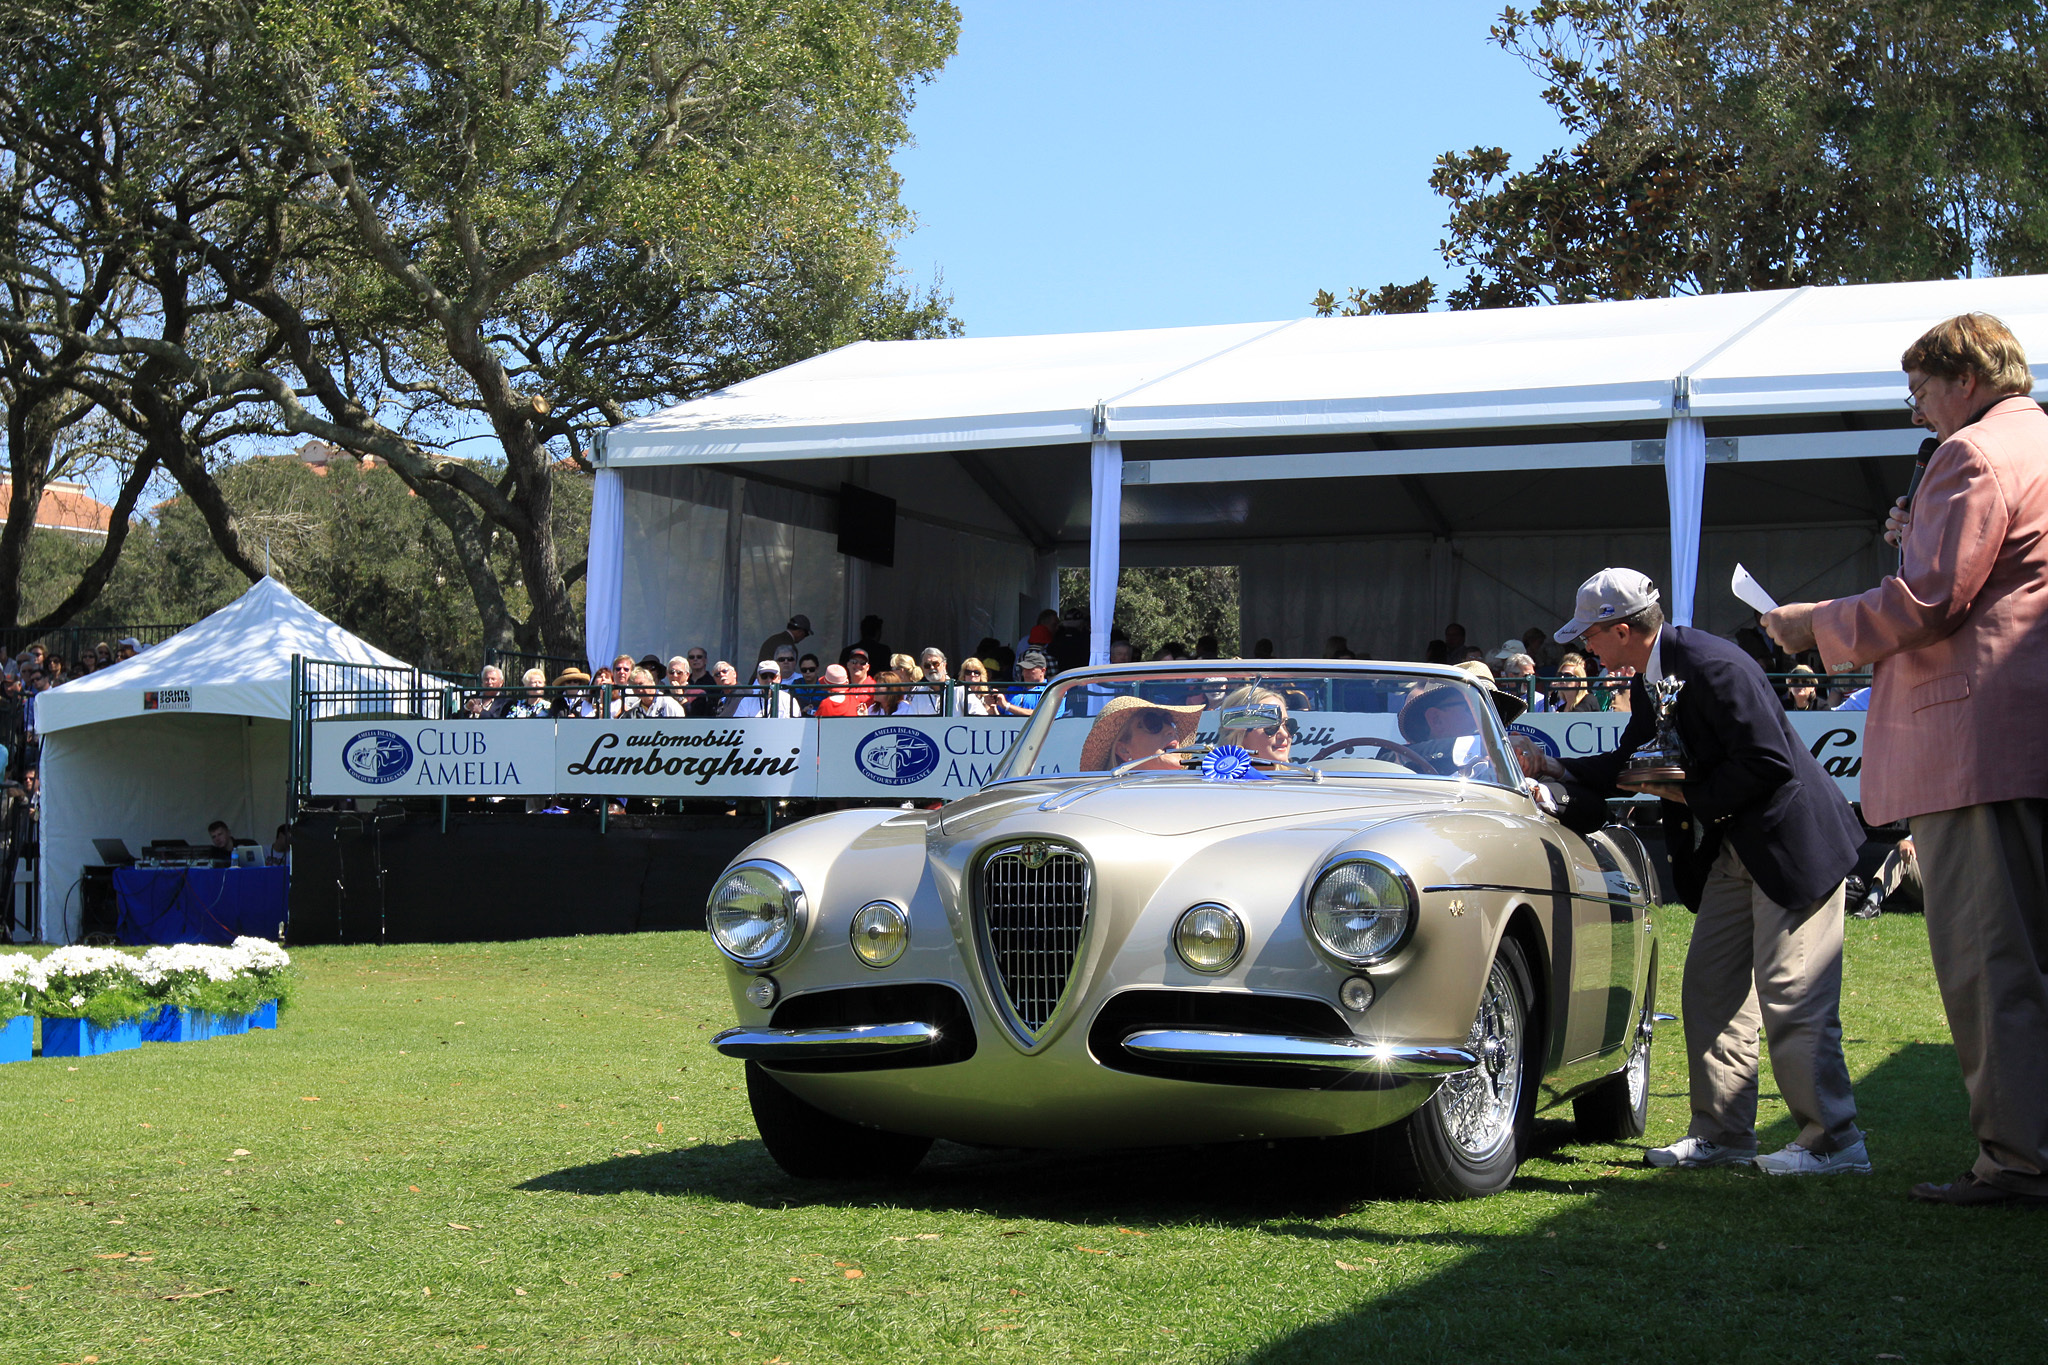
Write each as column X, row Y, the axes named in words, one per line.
column 1750, row 591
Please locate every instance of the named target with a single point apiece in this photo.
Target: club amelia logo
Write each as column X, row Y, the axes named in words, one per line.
column 377, row 756
column 896, row 756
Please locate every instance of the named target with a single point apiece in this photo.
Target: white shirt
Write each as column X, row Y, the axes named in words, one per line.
column 1653, row 670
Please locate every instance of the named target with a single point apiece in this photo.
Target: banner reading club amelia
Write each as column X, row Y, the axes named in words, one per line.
column 433, row 758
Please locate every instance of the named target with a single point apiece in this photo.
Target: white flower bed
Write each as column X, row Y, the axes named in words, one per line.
column 67, row 981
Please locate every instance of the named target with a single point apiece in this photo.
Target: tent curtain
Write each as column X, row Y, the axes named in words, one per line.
column 162, row 776
column 1685, row 480
column 1105, row 530
column 604, row 575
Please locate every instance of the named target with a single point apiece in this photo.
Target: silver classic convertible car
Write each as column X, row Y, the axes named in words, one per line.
column 1202, row 903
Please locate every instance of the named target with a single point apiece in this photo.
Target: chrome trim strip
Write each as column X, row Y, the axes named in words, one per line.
column 1526, row 891
column 821, row 1044
column 1284, row 1049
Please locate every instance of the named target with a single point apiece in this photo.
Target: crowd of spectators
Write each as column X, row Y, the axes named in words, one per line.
column 24, row 677
column 869, row 678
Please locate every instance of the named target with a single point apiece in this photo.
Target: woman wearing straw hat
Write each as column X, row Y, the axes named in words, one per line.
column 1131, row 728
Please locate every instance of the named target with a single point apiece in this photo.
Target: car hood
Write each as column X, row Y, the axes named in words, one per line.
column 1171, row 806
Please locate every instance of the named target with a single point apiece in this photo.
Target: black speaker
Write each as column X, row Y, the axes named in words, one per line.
column 867, row 525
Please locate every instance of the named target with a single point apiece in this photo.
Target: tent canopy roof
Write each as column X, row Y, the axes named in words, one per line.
column 1782, row 353
column 236, row 662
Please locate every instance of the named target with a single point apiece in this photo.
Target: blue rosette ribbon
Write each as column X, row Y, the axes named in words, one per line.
column 1229, row 763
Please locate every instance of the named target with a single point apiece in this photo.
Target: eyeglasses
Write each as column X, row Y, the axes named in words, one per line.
column 694, row 657
column 1912, row 398
column 1153, row 722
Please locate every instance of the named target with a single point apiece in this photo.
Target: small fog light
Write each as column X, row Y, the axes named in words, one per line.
column 1356, row 994
column 1208, row 937
column 880, row 933
column 762, row 992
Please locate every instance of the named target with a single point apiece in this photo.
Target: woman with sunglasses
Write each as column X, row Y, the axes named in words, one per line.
column 1271, row 743
column 1131, row 729
column 974, row 676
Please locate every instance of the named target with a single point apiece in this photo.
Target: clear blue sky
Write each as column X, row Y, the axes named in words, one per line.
column 1137, row 163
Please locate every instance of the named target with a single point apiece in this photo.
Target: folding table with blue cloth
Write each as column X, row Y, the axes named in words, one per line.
column 199, row 904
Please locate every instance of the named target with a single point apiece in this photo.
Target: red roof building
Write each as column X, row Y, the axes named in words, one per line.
column 66, row 506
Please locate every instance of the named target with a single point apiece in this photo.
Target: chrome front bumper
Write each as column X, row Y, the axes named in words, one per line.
column 1281, row 1049
column 823, row 1044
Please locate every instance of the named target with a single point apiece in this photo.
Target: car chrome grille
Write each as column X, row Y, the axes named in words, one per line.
column 1034, row 912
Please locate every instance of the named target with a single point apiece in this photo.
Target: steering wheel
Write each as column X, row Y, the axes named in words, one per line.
column 1400, row 751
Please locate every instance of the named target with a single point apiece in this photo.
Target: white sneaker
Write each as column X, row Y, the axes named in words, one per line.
column 1796, row 1160
column 1693, row 1153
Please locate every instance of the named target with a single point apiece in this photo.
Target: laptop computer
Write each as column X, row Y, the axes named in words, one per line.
column 114, row 852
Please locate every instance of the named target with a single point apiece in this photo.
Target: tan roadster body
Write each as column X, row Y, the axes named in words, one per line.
column 1386, row 935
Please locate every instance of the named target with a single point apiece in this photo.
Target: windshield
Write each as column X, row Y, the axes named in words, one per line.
column 1365, row 722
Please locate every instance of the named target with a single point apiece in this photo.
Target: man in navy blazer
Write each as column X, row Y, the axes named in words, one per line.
column 1760, row 840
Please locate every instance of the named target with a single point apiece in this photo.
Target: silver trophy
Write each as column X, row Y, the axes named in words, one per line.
column 1664, row 758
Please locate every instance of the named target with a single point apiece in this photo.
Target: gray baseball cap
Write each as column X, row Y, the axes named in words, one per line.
column 1608, row 596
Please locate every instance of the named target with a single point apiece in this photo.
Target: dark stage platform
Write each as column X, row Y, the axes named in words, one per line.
column 503, row 876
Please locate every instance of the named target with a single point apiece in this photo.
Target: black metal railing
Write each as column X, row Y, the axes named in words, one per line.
column 72, row 643
column 1601, row 693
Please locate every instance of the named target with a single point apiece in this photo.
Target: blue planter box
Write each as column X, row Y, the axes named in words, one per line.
column 161, row 1025
column 18, row 1039
column 175, row 1024
column 227, row 1024
column 83, row 1038
column 265, row 1015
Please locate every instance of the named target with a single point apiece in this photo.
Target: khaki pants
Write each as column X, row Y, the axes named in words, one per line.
column 1899, row 879
column 1754, row 962
column 1986, row 873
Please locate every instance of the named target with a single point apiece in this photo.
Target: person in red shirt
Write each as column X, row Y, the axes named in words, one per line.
column 860, row 684
column 839, row 699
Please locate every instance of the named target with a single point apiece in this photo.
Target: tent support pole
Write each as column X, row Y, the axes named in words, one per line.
column 1105, row 536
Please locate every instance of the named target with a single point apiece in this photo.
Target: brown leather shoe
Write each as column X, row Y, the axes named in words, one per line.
column 1968, row 1190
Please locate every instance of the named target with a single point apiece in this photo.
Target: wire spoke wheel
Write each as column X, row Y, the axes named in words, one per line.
column 1465, row 1141
column 1477, row 1108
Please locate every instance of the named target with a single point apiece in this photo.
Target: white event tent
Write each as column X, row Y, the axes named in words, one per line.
column 189, row 731
column 1371, row 476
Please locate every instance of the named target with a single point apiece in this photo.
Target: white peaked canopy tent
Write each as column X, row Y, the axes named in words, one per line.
column 1371, row 476
column 193, row 730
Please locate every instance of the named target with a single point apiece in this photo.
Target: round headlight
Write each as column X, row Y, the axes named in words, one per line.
column 1361, row 911
column 880, row 933
column 756, row 914
column 1208, row 937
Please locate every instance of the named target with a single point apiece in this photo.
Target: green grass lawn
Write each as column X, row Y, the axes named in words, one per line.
column 453, row 1153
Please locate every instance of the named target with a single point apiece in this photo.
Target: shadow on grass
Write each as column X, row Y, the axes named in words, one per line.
column 1724, row 1265
column 1620, row 1264
column 1294, row 1180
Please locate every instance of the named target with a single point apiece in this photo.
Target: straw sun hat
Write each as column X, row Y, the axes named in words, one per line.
column 1116, row 719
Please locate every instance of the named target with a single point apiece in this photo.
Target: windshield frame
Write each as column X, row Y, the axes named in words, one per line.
column 1238, row 672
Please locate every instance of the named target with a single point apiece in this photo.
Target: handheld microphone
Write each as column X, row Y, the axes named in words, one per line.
column 1920, row 458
